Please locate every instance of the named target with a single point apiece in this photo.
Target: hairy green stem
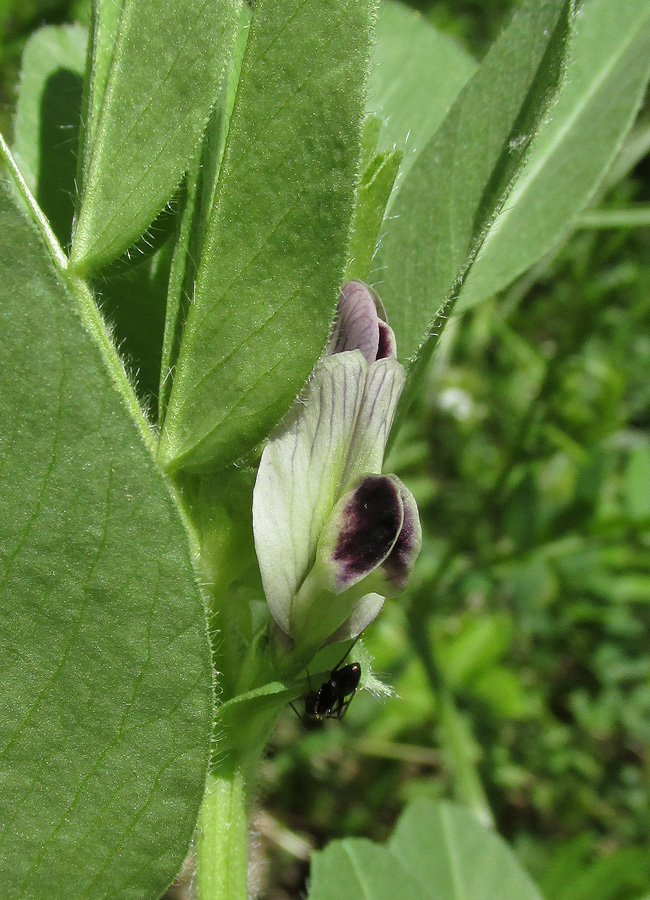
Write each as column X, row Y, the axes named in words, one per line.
column 222, row 843
column 87, row 308
column 453, row 730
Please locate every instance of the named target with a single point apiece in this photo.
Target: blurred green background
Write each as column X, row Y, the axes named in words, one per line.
column 529, row 454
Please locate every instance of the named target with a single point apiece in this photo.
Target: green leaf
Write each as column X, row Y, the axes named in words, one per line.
column 46, row 131
column 635, row 147
column 437, row 852
column 105, row 677
column 456, row 857
column 181, row 276
column 416, row 75
column 605, row 85
column 630, row 216
column 195, row 206
column 372, row 126
column 356, row 869
column 246, row 721
column 459, row 181
column 275, row 251
column 163, row 79
column 106, row 15
column 373, row 194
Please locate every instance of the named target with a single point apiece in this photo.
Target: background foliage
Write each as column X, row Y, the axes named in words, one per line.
column 529, row 454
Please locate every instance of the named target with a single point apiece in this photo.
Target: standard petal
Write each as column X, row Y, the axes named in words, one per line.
column 357, row 323
column 301, row 477
column 384, row 384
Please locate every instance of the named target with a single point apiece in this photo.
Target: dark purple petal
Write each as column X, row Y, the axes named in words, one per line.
column 399, row 563
column 368, row 525
column 387, row 343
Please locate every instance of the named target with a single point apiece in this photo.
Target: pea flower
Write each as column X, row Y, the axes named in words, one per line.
column 334, row 537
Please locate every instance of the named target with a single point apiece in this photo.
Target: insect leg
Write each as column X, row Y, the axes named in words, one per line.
column 302, row 721
column 343, row 706
column 349, row 650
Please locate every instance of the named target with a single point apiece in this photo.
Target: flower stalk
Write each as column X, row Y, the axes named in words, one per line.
column 222, row 838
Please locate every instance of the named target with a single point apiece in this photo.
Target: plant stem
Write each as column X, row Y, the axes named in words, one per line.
column 453, row 729
column 87, row 307
column 222, row 844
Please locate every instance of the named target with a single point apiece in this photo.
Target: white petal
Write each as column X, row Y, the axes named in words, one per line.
column 384, row 384
column 365, row 611
column 301, row 474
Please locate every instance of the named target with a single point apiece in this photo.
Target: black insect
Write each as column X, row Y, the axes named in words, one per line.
column 332, row 699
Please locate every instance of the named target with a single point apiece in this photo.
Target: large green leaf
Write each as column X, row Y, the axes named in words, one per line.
column 195, row 206
column 106, row 15
column 635, row 147
column 373, row 193
column 163, row 79
column 275, row 251
column 605, row 85
column 104, row 23
column 458, row 182
column 457, row 857
column 437, row 852
column 415, row 77
column 357, row 869
column 105, row 678
column 46, row 131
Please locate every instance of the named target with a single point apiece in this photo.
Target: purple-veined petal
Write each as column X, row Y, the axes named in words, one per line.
column 300, row 477
column 384, row 383
column 357, row 323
